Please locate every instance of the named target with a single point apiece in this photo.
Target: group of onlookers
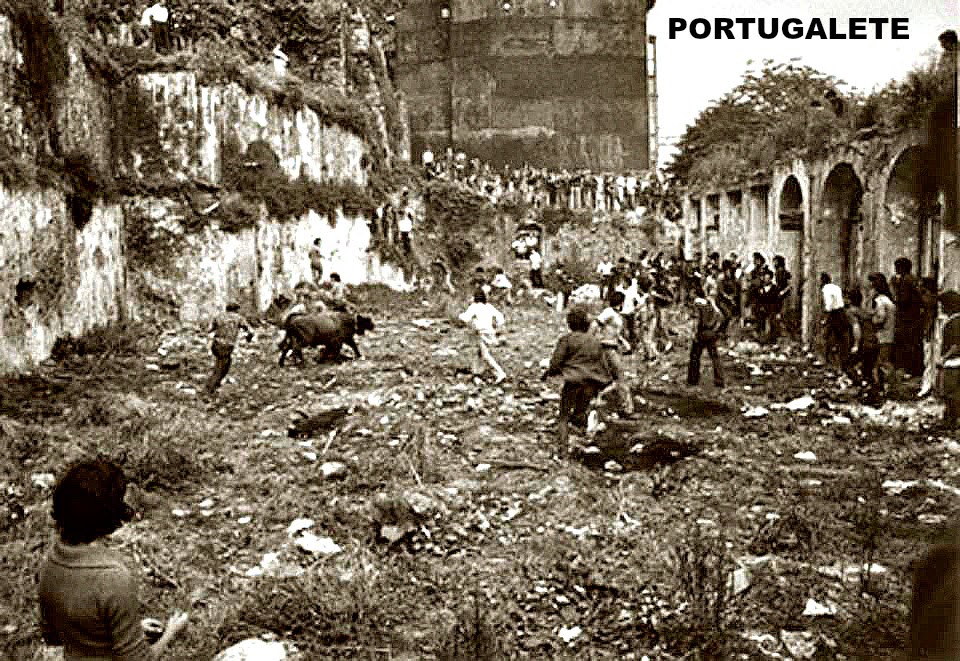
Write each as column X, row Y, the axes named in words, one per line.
column 578, row 189
column 882, row 336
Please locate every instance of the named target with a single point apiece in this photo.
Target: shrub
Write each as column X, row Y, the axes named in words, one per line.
column 349, row 603
column 45, row 58
column 167, row 453
column 121, row 339
column 472, row 636
column 702, row 568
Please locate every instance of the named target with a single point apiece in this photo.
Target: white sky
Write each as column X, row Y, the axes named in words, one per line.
column 692, row 72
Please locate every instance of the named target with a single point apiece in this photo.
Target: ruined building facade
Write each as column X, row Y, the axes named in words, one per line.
column 848, row 214
column 553, row 83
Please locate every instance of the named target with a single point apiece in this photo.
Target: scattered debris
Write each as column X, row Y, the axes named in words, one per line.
column 568, row 635
column 816, row 609
column 43, row 480
column 253, row 649
column 756, row 412
column 333, row 470
column 310, row 543
column 800, row 644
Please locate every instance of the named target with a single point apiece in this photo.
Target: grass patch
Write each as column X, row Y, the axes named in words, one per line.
column 346, row 604
column 120, row 339
column 162, row 452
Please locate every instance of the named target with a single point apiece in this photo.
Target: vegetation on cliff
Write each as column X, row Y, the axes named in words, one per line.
column 786, row 110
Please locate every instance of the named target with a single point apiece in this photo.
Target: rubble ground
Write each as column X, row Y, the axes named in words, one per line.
column 396, row 507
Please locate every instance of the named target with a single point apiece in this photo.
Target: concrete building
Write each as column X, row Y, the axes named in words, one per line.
column 554, row 83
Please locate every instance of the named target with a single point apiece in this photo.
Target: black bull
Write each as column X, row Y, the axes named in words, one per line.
column 331, row 330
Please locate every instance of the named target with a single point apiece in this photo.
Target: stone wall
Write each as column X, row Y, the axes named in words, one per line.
column 55, row 280
column 252, row 266
column 196, row 123
column 162, row 129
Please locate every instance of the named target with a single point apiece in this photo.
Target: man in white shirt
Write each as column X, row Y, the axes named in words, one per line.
column 837, row 326
column 405, row 227
column 628, row 310
column 536, row 269
column 157, row 18
column 605, row 269
column 485, row 320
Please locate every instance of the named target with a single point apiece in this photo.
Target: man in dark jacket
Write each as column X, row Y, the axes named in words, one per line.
column 908, row 326
column 706, row 334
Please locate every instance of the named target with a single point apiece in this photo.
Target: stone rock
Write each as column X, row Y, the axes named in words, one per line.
column 43, row 480
column 317, row 545
column 253, row 649
column 333, row 470
column 814, row 608
column 739, row 580
column 299, row 525
column 800, row 644
column 800, row 403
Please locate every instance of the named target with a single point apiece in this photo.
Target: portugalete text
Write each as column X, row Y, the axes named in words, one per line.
column 791, row 28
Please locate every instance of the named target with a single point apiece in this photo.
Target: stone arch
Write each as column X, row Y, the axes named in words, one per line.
column 908, row 218
column 841, row 225
column 790, row 213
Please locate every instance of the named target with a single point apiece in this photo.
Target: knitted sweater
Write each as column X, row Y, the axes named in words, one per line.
column 88, row 604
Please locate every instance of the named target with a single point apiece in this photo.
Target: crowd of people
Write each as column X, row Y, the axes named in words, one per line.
column 581, row 189
column 882, row 337
column 88, row 598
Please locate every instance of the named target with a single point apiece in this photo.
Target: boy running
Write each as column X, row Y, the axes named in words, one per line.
column 610, row 330
column 485, row 320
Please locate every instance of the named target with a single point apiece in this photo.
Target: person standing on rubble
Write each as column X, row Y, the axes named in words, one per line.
column 225, row 329
column 536, row 268
column 950, row 359
column 707, row 323
column 884, row 320
column 836, row 326
column 908, row 332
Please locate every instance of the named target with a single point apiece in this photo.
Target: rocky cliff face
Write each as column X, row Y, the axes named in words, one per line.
column 120, row 197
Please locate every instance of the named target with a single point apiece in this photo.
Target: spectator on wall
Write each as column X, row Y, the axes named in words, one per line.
column 157, row 18
column 316, row 261
column 536, row 269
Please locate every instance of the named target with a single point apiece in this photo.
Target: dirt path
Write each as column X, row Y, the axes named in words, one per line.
column 462, row 528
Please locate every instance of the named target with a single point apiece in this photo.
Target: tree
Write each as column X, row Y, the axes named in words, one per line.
column 781, row 108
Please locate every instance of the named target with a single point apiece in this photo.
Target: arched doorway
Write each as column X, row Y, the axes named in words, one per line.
column 909, row 219
column 790, row 244
column 841, row 226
